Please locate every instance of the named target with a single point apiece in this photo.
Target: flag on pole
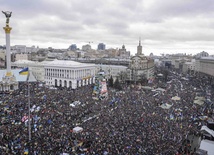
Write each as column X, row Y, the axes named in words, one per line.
column 24, row 71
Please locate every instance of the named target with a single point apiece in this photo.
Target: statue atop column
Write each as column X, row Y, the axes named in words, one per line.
column 7, row 15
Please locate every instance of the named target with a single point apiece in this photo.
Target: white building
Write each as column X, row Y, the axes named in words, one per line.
column 140, row 67
column 40, row 71
column 69, row 74
column 23, row 49
column 21, row 56
column 207, row 65
column 86, row 47
column 189, row 66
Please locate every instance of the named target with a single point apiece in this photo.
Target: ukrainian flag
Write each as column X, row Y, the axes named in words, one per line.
column 24, row 71
column 26, row 152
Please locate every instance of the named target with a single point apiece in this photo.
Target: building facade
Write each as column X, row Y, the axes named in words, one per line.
column 21, row 56
column 69, row 74
column 140, row 67
column 189, row 66
column 207, row 65
column 73, row 47
column 101, row 46
column 86, row 47
column 122, row 53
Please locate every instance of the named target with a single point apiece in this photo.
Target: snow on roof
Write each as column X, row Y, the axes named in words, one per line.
column 23, row 62
column 67, row 63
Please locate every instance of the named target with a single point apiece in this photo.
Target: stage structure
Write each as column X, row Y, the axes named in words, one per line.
column 100, row 91
column 9, row 81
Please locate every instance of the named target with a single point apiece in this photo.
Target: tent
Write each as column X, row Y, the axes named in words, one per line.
column 207, row 145
column 199, row 102
column 77, row 129
column 165, row 106
column 159, row 89
column 160, row 75
column 147, row 87
column 176, row 98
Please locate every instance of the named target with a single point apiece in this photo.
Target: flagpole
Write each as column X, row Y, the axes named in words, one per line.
column 29, row 127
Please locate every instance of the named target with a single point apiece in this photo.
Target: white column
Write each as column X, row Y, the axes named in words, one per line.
column 8, row 52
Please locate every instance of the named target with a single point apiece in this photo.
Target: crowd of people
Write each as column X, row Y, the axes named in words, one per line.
column 129, row 122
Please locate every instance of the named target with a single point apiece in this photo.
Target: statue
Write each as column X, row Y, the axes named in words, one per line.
column 7, row 15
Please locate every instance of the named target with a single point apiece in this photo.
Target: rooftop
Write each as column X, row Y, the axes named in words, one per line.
column 68, row 63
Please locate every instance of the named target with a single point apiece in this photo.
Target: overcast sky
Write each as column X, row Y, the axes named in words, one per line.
column 164, row 26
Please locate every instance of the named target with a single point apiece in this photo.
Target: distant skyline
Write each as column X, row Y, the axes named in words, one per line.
column 164, row 26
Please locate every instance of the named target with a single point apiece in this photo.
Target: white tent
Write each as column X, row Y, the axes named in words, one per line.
column 77, row 129
column 208, row 146
column 165, row 106
column 159, row 89
column 176, row 98
column 199, row 102
column 147, row 87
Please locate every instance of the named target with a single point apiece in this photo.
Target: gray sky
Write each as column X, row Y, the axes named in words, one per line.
column 164, row 26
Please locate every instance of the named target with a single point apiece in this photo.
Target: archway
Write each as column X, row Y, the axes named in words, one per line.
column 77, row 83
column 55, row 83
column 70, row 84
column 11, row 87
column 65, row 83
column 60, row 83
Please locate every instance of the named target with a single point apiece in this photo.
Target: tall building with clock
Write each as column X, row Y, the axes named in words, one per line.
column 140, row 66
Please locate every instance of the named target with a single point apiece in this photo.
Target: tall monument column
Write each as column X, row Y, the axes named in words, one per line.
column 7, row 29
column 8, row 82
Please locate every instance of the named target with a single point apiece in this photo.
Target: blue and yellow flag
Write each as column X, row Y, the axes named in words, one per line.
column 24, row 71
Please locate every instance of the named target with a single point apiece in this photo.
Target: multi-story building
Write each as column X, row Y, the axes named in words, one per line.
column 86, row 47
column 207, row 65
column 21, row 56
column 23, row 49
column 73, row 47
column 69, row 74
column 140, row 67
column 202, row 54
column 101, row 46
column 189, row 66
column 122, row 53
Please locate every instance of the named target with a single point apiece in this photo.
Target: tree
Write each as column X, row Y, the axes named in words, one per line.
column 117, row 84
column 122, row 76
column 143, row 79
column 111, row 82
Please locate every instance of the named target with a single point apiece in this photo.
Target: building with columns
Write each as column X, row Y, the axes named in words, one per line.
column 69, row 74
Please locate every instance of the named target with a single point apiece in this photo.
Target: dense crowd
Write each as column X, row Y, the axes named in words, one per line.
column 129, row 122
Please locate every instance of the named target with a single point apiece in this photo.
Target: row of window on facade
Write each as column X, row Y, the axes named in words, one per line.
column 69, row 74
